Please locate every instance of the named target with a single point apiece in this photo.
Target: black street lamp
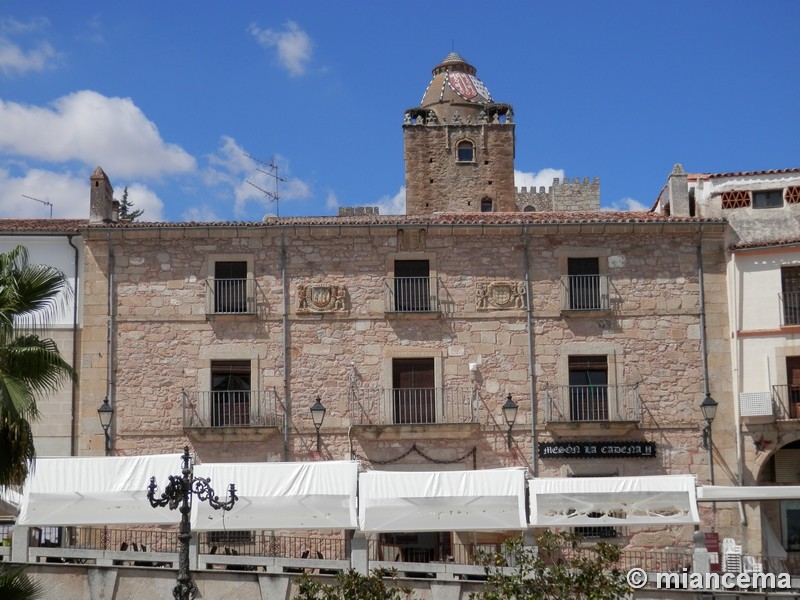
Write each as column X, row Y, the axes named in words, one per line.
column 178, row 493
column 105, row 412
column 709, row 409
column 318, row 415
column 510, row 415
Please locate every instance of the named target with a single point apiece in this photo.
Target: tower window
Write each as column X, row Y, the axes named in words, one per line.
column 487, row 205
column 465, row 151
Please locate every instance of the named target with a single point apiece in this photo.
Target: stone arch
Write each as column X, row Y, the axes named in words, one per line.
column 763, row 458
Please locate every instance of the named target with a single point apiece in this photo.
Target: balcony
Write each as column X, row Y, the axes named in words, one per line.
column 230, row 296
column 406, row 412
column 220, row 414
column 415, row 295
column 593, row 409
column 790, row 308
column 786, row 401
column 585, row 293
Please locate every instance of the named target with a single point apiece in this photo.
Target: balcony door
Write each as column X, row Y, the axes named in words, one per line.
column 584, row 283
column 588, row 388
column 412, row 286
column 230, row 287
column 793, row 379
column 230, row 393
column 413, row 390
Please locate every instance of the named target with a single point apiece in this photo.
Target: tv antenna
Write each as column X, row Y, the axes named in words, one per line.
column 273, row 173
column 45, row 202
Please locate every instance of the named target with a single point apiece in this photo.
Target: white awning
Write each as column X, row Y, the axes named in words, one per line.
column 613, row 501
column 488, row 500
column 722, row 493
column 312, row 495
column 97, row 491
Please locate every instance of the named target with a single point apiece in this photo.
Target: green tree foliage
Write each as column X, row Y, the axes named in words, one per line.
column 16, row 585
column 351, row 585
column 30, row 366
column 126, row 208
column 559, row 567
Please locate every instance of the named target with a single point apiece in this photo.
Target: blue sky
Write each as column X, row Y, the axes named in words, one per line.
column 169, row 97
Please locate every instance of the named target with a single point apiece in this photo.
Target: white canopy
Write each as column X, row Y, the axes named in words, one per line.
column 610, row 501
column 97, row 491
column 722, row 493
column 490, row 499
column 312, row 495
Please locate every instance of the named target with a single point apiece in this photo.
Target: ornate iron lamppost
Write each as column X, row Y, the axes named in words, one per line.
column 510, row 415
column 105, row 412
column 178, row 494
column 709, row 409
column 318, row 415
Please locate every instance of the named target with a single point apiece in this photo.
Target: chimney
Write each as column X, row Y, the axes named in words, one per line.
column 101, row 198
column 678, row 192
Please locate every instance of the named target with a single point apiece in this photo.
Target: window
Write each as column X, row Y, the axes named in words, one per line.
column 793, row 387
column 487, row 205
column 735, row 199
column 588, row 388
column 230, row 393
column 412, row 286
column 465, row 151
column 413, row 391
column 790, row 286
column 768, row 199
column 583, row 282
column 791, row 525
column 230, row 287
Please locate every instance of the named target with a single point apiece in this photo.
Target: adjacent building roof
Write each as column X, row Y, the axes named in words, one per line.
column 494, row 218
column 42, row 225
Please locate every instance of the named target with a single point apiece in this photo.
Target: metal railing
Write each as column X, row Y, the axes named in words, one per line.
column 786, row 401
column 589, row 403
column 412, row 294
column 266, row 543
column 394, row 406
column 230, row 296
column 790, row 307
column 230, row 409
column 585, row 292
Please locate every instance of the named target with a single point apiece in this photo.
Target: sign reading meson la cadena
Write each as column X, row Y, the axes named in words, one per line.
column 597, row 450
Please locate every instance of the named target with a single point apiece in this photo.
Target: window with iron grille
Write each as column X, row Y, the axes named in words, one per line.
column 768, row 199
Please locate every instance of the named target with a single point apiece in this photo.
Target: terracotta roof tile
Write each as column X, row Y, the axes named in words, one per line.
column 777, row 243
column 497, row 218
column 42, row 225
column 748, row 173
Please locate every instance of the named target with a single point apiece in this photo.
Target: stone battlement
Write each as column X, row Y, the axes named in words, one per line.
column 563, row 195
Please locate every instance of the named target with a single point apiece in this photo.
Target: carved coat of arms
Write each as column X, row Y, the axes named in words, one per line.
column 320, row 298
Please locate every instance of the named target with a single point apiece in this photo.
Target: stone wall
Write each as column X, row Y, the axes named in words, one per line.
column 436, row 182
column 562, row 196
column 165, row 340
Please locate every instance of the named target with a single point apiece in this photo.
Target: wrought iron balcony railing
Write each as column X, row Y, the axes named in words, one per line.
column 585, row 292
column 593, row 403
column 396, row 406
column 790, row 308
column 786, row 401
column 230, row 296
column 412, row 294
column 230, row 409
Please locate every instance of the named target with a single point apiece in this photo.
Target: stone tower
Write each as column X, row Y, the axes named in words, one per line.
column 458, row 146
column 101, row 198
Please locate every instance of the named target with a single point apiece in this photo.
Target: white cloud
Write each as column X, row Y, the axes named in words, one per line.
column 232, row 167
column 13, row 59
column 536, row 180
column 94, row 129
column 332, row 202
column 143, row 198
column 67, row 192
column 201, row 214
column 293, row 45
column 393, row 205
column 16, row 60
column 626, row 204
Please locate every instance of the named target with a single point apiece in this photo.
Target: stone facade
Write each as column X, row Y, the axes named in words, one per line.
column 166, row 338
